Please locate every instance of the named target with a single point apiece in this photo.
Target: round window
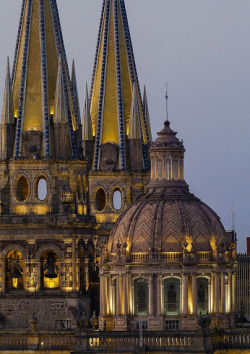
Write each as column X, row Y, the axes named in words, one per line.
column 22, row 191
column 42, row 189
column 100, row 200
column 117, row 199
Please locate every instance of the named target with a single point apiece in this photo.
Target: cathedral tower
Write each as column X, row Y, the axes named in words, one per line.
column 119, row 119
column 47, row 238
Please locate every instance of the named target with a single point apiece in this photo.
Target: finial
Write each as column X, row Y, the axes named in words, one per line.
column 167, row 101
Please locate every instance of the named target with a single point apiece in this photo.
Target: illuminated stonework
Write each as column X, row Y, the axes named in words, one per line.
column 169, row 258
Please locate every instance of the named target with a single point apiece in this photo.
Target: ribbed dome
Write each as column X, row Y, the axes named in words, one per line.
column 168, row 218
column 164, row 219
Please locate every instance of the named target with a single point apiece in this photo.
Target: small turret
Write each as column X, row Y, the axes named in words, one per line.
column 75, row 94
column 60, row 119
column 135, row 136
column 146, row 112
column 87, row 132
column 7, row 119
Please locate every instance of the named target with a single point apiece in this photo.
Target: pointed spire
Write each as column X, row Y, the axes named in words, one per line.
column 146, row 112
column 113, row 79
column 75, row 93
column 34, row 77
column 167, row 101
column 134, row 126
column 87, row 133
column 60, row 104
column 7, row 112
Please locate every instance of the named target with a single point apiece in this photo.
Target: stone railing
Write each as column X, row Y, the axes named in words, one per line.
column 34, row 340
column 11, row 341
column 237, row 339
column 148, row 340
column 63, row 341
column 168, row 256
column 204, row 256
column 96, row 341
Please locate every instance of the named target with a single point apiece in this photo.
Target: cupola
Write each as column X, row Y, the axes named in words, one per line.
column 167, row 156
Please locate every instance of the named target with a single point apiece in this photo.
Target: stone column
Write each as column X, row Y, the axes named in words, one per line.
column 158, row 295
column 151, row 295
column 222, row 294
column 185, row 293
column 130, row 295
column 86, row 274
column 26, row 279
column 38, row 285
column 74, row 265
column 125, row 298
column 210, row 295
column 229, row 293
column 194, row 292
column 102, row 295
column 118, row 299
column 133, row 297
column 109, row 295
column 217, row 292
column 234, row 292
column 2, row 269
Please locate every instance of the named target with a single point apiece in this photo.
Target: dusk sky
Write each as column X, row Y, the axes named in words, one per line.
column 202, row 49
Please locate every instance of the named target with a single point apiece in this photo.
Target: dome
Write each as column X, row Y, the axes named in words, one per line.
column 165, row 219
column 168, row 218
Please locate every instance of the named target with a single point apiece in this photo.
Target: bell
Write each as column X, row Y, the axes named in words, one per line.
column 16, row 273
column 50, row 267
column 51, row 272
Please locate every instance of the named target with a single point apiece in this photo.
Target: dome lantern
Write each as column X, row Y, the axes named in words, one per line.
column 167, row 156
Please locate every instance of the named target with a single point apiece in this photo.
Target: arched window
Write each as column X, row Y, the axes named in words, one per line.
column 168, row 168
column 82, row 274
column 100, row 200
column 141, row 297
column 160, row 169
column 49, row 270
column 171, row 288
column 22, row 189
column 202, row 295
column 42, row 190
column 153, row 172
column 175, row 169
column 117, row 199
column 14, row 270
column 181, row 169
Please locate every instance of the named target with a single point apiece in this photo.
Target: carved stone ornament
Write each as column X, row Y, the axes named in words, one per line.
column 109, row 156
column 32, row 140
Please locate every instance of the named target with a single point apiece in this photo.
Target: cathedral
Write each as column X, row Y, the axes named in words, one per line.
column 103, row 248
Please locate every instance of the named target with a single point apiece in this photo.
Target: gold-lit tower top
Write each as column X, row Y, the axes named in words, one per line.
column 35, row 68
column 114, row 80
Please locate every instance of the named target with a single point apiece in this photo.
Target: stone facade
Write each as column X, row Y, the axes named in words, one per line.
column 64, row 182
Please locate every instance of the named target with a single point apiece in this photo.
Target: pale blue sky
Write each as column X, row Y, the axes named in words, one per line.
column 202, row 49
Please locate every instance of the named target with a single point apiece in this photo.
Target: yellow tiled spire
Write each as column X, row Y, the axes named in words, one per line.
column 39, row 46
column 112, row 84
